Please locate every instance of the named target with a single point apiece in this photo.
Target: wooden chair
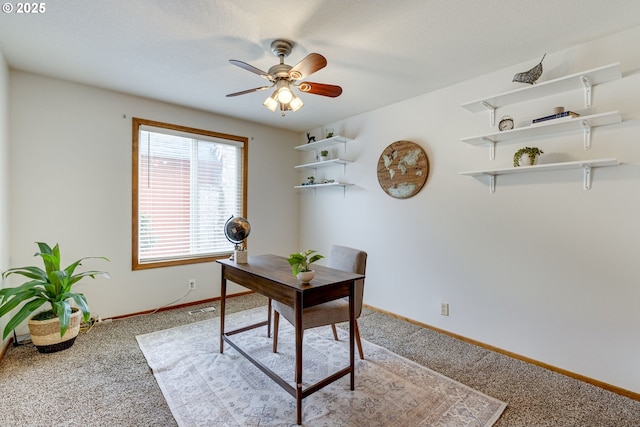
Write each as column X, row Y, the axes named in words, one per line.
column 332, row 312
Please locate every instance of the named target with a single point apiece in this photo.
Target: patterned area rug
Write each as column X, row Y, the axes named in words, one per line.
column 205, row 388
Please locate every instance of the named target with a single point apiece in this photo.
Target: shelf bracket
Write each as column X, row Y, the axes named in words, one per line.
column 492, row 110
column 587, row 134
column 587, row 91
column 587, row 177
column 492, row 184
column 492, row 148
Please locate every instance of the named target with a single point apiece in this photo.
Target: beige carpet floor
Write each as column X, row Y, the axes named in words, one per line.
column 104, row 379
column 206, row 388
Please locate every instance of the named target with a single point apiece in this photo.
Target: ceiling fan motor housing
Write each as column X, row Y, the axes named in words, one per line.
column 280, row 71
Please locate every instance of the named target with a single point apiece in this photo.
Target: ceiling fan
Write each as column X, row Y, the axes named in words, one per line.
column 283, row 77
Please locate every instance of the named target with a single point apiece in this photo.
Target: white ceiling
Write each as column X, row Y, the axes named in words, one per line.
column 379, row 51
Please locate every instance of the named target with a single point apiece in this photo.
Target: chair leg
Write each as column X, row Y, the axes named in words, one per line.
column 276, row 322
column 356, row 332
column 335, row 332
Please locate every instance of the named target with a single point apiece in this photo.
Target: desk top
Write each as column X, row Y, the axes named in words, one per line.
column 276, row 268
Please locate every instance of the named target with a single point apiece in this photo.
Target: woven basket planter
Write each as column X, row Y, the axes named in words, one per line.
column 45, row 334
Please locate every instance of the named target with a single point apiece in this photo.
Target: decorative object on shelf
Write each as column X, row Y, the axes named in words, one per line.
column 403, row 168
column 284, row 77
column 329, row 132
column 300, row 263
column 328, row 181
column 569, row 114
column 57, row 328
column 530, row 76
column 526, row 156
column 505, row 123
column 310, row 138
column 311, row 180
column 324, row 155
column 236, row 230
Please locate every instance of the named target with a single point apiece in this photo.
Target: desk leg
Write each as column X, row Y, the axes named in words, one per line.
column 269, row 319
column 352, row 325
column 299, row 334
column 223, row 301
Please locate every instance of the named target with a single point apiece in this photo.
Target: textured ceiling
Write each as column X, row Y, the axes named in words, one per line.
column 380, row 52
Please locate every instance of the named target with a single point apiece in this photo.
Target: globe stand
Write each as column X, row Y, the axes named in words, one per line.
column 240, row 255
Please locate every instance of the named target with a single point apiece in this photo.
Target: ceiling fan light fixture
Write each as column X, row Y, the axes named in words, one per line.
column 284, row 92
column 296, row 103
column 271, row 102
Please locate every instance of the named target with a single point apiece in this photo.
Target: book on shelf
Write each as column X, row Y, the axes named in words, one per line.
column 555, row 116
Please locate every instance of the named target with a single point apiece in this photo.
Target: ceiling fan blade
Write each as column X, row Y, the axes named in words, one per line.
column 309, row 65
column 320, row 89
column 244, row 92
column 251, row 68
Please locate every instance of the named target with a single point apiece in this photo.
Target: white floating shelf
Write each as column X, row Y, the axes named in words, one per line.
column 329, row 184
column 318, row 145
column 583, row 123
column 586, row 165
column 324, row 164
column 583, row 80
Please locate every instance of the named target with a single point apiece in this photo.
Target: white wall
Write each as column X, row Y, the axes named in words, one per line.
column 4, row 173
column 71, row 183
column 541, row 268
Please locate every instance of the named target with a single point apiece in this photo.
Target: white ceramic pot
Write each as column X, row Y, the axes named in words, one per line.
column 526, row 160
column 305, row 276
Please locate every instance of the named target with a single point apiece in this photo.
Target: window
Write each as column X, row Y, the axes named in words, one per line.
column 186, row 184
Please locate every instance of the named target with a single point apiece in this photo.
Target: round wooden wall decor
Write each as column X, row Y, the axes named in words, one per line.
column 403, row 168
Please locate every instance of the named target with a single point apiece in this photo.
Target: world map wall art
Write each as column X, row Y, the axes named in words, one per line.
column 403, row 168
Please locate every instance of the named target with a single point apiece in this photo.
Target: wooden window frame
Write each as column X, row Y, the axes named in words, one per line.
column 136, row 123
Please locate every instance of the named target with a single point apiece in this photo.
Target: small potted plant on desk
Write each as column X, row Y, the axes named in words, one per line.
column 57, row 328
column 300, row 263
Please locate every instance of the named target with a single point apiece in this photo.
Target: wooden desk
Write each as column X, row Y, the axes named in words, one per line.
column 270, row 275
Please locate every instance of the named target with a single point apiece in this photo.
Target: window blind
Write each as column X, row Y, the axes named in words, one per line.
column 188, row 186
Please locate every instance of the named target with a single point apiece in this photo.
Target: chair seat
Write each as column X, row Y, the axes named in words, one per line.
column 336, row 311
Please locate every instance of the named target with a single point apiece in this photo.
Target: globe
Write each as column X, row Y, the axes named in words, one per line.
column 236, row 230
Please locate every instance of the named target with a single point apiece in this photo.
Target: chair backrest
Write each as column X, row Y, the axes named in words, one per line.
column 351, row 260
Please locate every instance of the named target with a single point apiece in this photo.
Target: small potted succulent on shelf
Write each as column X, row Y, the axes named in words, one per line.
column 324, row 155
column 300, row 264
column 526, row 156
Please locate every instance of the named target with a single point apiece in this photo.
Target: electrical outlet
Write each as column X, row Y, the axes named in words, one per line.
column 444, row 309
column 192, row 284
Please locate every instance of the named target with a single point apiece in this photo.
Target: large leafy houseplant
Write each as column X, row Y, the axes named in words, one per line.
column 300, row 262
column 51, row 285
